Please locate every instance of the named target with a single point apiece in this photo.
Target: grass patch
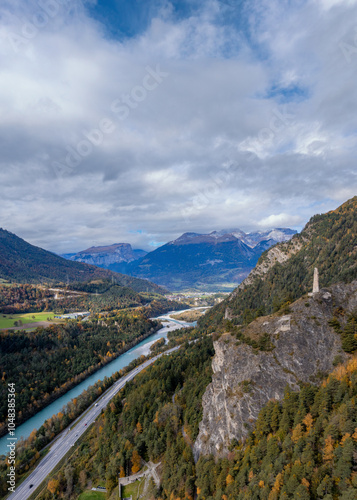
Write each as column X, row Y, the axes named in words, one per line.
column 133, row 489
column 8, row 320
column 92, row 495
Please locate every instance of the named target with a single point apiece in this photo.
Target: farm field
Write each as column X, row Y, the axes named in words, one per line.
column 9, row 320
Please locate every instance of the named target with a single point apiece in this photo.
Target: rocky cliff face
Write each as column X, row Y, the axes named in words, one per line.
column 303, row 348
column 106, row 256
column 280, row 253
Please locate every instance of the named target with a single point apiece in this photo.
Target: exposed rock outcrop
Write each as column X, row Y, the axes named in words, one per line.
column 279, row 253
column 303, row 348
column 108, row 255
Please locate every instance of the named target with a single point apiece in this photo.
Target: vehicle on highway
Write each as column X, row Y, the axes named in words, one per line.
column 96, row 404
column 31, row 485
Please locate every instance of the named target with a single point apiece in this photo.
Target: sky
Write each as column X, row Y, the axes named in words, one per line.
column 138, row 120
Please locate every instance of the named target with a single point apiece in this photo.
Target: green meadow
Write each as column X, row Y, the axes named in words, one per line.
column 134, row 489
column 8, row 320
column 92, row 495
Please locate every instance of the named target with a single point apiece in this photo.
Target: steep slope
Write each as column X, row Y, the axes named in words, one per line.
column 253, row 365
column 105, row 256
column 284, row 273
column 303, row 447
column 25, row 263
column 211, row 260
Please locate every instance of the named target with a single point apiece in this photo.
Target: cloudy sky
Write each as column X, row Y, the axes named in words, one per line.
column 138, row 120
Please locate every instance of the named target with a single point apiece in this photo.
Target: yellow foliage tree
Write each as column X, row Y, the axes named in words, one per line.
column 297, row 433
column 305, row 482
column 346, row 436
column 53, row 486
column 328, row 449
column 354, row 435
column 308, row 421
column 32, row 436
column 136, row 461
column 229, row 480
column 277, row 484
column 139, row 428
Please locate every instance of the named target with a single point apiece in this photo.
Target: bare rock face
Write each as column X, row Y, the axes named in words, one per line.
column 111, row 254
column 303, row 348
column 279, row 253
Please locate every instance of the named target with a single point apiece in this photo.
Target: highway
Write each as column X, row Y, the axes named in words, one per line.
column 68, row 437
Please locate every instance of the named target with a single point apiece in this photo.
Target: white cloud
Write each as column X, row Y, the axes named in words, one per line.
column 281, row 220
column 163, row 170
column 328, row 4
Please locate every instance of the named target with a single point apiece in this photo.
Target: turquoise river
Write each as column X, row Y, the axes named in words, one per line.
column 143, row 348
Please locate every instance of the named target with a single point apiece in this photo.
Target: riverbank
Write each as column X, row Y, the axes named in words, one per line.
column 141, row 348
column 60, row 391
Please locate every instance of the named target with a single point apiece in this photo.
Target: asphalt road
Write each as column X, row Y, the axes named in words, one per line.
column 69, row 437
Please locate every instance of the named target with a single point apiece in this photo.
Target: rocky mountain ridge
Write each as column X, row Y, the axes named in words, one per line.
column 220, row 259
column 22, row 262
column 276, row 235
column 192, row 260
column 300, row 346
column 105, row 256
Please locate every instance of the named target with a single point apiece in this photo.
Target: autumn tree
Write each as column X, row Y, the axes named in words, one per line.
column 136, row 462
column 53, row 486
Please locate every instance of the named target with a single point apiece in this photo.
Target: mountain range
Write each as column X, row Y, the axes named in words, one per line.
column 25, row 263
column 215, row 261
column 284, row 273
column 105, row 256
column 268, row 417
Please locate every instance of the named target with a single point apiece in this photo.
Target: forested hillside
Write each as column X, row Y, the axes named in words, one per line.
column 146, row 420
column 24, row 263
column 328, row 242
column 49, row 361
column 304, row 447
column 31, row 298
